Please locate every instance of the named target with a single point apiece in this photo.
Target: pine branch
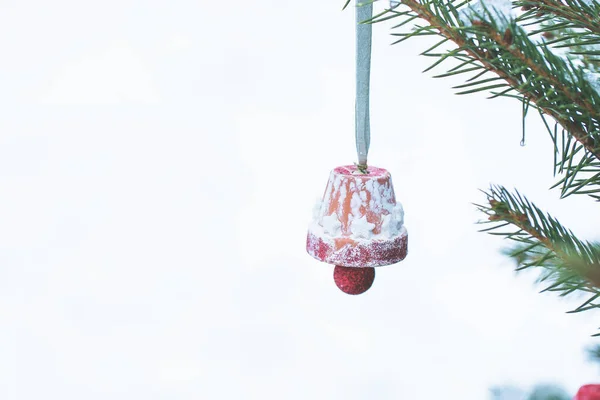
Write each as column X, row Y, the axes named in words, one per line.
column 574, row 13
column 569, row 265
column 580, row 170
column 574, row 24
column 503, row 43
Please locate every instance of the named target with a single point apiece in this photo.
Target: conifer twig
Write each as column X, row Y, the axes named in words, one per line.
column 454, row 35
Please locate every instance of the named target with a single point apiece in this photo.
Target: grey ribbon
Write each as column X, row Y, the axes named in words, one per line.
column 363, row 73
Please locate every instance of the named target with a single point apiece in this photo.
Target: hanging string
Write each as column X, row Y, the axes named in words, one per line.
column 363, row 74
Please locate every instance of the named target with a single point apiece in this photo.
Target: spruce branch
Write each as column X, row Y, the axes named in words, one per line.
column 580, row 169
column 573, row 25
column 570, row 13
column 495, row 47
column 591, row 143
column 569, row 265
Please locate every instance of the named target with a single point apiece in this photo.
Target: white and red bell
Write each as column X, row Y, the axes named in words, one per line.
column 357, row 226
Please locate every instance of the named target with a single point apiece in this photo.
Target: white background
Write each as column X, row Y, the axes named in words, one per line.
column 159, row 162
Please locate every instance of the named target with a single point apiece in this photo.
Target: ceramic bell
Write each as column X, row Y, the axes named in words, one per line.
column 357, row 226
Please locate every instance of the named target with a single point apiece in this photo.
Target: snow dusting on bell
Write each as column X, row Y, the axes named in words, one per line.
column 359, row 207
column 361, row 228
column 316, row 213
column 358, row 223
column 332, row 225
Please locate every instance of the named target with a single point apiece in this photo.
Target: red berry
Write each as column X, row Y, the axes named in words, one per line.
column 588, row 392
column 353, row 280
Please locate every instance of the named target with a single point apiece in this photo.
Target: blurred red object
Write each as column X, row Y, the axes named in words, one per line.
column 588, row 392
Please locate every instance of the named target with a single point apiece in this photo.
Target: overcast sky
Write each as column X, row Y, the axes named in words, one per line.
column 159, row 162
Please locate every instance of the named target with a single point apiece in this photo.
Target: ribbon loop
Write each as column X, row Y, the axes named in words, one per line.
column 364, row 12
